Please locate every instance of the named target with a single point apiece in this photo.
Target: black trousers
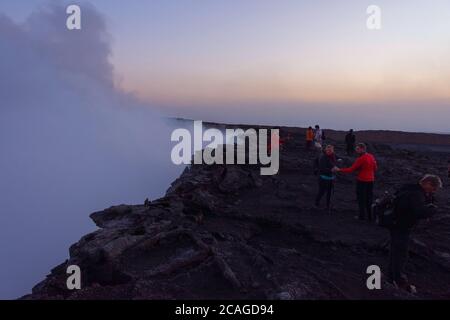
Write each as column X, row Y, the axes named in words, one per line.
column 398, row 255
column 364, row 194
column 325, row 187
column 350, row 149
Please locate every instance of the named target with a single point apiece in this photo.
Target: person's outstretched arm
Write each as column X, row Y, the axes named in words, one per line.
column 356, row 166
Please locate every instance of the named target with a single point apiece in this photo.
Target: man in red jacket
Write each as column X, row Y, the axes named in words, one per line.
column 365, row 165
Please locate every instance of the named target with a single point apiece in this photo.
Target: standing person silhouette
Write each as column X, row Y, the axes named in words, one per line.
column 350, row 140
column 309, row 138
column 366, row 166
column 318, row 135
column 326, row 163
column 414, row 202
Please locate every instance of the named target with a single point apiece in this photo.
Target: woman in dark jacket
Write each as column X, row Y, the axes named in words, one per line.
column 327, row 162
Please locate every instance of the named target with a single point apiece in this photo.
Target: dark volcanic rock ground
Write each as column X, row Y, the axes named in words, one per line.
column 226, row 232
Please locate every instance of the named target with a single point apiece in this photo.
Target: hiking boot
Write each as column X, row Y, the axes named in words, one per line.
column 412, row 289
column 404, row 284
column 401, row 285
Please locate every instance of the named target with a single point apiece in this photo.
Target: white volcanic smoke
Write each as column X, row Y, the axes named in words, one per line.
column 70, row 143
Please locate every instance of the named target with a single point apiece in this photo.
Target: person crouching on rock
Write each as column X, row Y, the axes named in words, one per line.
column 366, row 166
column 326, row 162
column 413, row 202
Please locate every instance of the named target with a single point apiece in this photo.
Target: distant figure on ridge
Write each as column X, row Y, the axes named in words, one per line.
column 350, row 141
column 309, row 138
column 281, row 142
column 325, row 164
column 318, row 135
column 366, row 165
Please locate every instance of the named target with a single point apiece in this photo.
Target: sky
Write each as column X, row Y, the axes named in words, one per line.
column 282, row 62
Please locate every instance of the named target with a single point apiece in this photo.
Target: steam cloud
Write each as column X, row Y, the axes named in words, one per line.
column 70, row 142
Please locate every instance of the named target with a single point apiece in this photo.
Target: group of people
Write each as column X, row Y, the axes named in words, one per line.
column 314, row 137
column 365, row 165
column 412, row 202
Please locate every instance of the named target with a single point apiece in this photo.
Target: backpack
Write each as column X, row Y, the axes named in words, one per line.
column 383, row 209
